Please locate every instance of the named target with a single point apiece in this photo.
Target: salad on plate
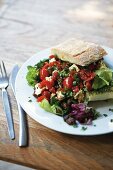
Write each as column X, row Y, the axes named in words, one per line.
column 72, row 76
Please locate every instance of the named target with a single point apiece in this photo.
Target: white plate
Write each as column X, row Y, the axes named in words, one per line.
column 24, row 91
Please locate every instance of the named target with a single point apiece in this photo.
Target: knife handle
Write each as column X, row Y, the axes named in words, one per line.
column 23, row 137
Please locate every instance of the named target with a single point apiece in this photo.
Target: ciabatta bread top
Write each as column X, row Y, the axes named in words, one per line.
column 78, row 52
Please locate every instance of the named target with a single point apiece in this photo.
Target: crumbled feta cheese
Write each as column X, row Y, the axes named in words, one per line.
column 52, row 60
column 52, row 94
column 60, row 96
column 38, row 90
column 79, row 95
column 74, row 66
column 49, row 78
column 54, row 71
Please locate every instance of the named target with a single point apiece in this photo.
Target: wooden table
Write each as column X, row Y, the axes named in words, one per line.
column 26, row 27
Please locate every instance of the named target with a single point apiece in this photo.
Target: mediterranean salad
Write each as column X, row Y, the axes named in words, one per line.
column 62, row 88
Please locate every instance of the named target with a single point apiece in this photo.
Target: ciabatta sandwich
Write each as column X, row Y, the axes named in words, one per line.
column 85, row 55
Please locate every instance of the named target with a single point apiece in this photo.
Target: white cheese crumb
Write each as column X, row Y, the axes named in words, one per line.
column 52, row 60
column 60, row 96
column 49, row 78
column 54, row 71
column 74, row 66
column 38, row 90
column 52, row 94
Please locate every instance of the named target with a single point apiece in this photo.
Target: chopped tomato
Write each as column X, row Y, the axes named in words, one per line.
column 81, row 85
column 49, row 84
column 42, row 84
column 75, row 89
column 55, row 75
column 86, row 75
column 55, row 63
column 43, row 73
column 88, row 85
column 46, row 65
column 68, row 82
column 46, row 94
column 52, row 63
column 51, row 56
column 46, row 83
column 39, row 99
column 52, row 90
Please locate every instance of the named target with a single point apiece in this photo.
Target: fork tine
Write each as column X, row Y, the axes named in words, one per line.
column 3, row 69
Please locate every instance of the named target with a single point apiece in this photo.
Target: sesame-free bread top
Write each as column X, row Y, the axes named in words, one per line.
column 78, row 52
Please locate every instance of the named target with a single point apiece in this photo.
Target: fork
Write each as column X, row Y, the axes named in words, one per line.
column 4, row 82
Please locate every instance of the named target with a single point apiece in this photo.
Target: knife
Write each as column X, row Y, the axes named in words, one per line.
column 22, row 115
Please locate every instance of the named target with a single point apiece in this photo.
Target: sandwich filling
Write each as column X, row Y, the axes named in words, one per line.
column 64, row 88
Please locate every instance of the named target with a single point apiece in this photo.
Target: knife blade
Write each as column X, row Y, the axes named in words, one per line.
column 22, row 115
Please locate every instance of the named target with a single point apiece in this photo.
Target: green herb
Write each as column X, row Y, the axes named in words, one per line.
column 55, row 101
column 95, row 113
column 30, row 100
column 41, row 63
column 85, row 89
column 84, row 128
column 111, row 120
column 75, row 76
column 74, row 83
column 69, row 93
column 110, row 109
column 94, row 125
column 105, row 115
column 75, row 125
column 63, row 73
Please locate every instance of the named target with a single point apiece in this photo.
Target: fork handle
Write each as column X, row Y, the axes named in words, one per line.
column 8, row 113
column 23, row 138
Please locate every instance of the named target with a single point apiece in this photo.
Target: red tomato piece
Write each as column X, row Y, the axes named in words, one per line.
column 43, row 73
column 55, row 63
column 81, row 85
column 46, row 65
column 52, row 63
column 72, row 72
column 51, row 56
column 68, row 82
column 49, row 84
column 42, row 84
column 46, row 83
column 75, row 89
column 89, row 85
column 86, row 75
column 52, row 90
column 46, row 94
column 39, row 99
column 55, row 75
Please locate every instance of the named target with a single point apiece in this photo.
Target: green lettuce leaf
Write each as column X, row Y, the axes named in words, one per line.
column 45, row 105
column 53, row 109
column 103, row 78
column 31, row 75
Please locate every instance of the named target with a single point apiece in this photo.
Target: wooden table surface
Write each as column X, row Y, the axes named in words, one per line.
column 29, row 26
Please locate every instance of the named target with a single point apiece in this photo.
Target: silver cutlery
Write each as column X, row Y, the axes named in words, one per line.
column 23, row 138
column 4, row 83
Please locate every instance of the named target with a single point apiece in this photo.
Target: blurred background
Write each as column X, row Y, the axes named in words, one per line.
column 28, row 26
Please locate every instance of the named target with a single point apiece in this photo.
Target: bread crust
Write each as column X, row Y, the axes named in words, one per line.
column 78, row 52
